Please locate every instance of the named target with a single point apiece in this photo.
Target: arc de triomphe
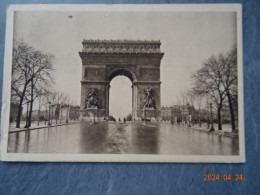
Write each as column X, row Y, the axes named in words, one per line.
column 102, row 60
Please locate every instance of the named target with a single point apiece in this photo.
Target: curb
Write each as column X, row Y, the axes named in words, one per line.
column 217, row 132
column 36, row 128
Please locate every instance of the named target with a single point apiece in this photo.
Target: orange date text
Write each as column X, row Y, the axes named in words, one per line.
column 225, row 177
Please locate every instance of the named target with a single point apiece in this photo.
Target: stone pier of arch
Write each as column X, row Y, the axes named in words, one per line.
column 102, row 60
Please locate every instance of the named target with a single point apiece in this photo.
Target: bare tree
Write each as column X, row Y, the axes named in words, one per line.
column 46, row 98
column 41, row 67
column 52, row 103
column 199, row 103
column 191, row 97
column 68, row 103
column 228, row 80
column 218, row 79
column 56, row 101
column 22, row 54
column 63, row 106
column 31, row 70
column 207, row 81
column 42, row 101
column 183, row 99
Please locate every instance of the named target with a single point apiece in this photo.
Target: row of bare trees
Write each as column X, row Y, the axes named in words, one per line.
column 214, row 83
column 217, row 81
column 31, row 74
column 57, row 103
column 189, row 98
column 32, row 82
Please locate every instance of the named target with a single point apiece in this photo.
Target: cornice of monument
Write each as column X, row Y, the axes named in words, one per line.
column 94, row 82
column 123, row 41
column 121, row 47
column 98, row 53
column 146, row 82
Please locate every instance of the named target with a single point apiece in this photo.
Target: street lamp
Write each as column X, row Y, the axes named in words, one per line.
column 67, row 115
column 172, row 120
column 144, row 116
column 212, row 127
column 46, row 115
column 27, row 115
column 208, row 115
column 188, row 106
column 49, row 123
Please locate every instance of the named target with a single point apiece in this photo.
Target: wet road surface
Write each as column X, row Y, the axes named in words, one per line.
column 115, row 138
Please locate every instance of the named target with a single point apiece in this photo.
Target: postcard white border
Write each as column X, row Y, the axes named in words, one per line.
column 41, row 157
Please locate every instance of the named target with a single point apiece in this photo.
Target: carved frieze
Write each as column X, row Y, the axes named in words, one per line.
column 149, row 73
column 94, row 73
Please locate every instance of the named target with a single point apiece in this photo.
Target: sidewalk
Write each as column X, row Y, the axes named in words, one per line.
column 225, row 132
column 216, row 132
column 35, row 127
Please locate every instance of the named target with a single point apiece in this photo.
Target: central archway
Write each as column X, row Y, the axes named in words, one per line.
column 120, row 97
column 126, row 73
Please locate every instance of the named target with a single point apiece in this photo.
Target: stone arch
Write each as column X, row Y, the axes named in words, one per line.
column 140, row 63
column 121, row 71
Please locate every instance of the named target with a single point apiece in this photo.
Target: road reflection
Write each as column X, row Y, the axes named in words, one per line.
column 115, row 138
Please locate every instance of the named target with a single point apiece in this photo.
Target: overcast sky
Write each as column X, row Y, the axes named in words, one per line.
column 188, row 38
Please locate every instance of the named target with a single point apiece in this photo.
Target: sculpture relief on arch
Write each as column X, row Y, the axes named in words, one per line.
column 148, row 99
column 92, row 100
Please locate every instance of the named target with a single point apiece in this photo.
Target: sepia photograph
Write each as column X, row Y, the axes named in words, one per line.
column 123, row 83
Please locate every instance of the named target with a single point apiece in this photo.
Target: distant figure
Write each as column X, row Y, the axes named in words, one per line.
column 178, row 121
column 119, row 120
column 124, row 120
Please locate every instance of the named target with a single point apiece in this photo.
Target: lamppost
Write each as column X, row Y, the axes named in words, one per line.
column 172, row 119
column 188, row 106
column 49, row 123
column 208, row 115
column 46, row 115
column 212, row 127
column 27, row 115
column 144, row 116
column 67, row 115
